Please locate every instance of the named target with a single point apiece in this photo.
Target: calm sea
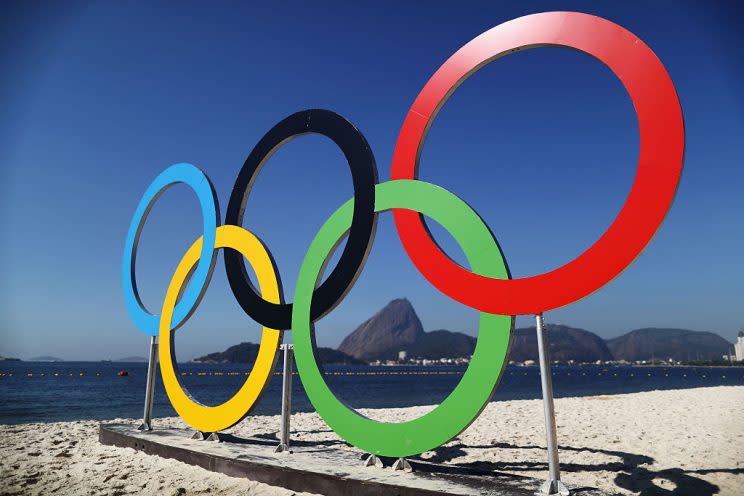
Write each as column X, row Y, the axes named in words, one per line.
column 46, row 392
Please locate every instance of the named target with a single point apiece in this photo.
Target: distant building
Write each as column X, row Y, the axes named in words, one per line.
column 402, row 356
column 739, row 346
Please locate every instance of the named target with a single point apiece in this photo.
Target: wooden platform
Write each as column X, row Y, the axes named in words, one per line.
column 317, row 469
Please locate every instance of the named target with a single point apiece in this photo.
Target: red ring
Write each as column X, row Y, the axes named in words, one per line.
column 662, row 140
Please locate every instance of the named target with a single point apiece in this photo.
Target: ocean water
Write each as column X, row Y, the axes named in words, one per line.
column 47, row 392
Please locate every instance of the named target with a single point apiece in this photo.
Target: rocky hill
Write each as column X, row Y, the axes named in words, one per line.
column 132, row 359
column 441, row 344
column 566, row 343
column 45, row 359
column 247, row 352
column 385, row 333
column 678, row 344
column 397, row 328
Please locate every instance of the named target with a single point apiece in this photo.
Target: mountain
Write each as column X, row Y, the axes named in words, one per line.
column 397, row 328
column 431, row 345
column 239, row 353
column 331, row 356
column 385, row 333
column 45, row 359
column 247, row 352
column 566, row 343
column 132, row 359
column 678, row 344
column 441, row 344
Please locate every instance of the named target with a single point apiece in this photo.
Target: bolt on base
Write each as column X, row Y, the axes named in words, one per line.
column 554, row 488
column 373, row 461
column 283, row 448
column 402, row 464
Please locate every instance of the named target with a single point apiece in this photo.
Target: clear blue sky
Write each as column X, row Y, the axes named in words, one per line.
column 98, row 98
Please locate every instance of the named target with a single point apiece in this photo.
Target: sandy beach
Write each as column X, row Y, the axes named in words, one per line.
column 653, row 443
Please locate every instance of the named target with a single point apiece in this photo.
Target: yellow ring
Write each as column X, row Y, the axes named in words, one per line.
column 216, row 418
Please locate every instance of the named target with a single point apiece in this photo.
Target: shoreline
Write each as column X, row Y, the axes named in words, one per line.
column 636, row 443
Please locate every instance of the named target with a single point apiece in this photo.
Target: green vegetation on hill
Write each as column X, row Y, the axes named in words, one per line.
column 247, row 353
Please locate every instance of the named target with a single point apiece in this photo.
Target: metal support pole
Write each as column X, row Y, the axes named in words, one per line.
column 553, row 485
column 286, row 399
column 150, row 390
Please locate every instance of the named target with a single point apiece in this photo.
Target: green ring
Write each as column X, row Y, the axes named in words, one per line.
column 478, row 383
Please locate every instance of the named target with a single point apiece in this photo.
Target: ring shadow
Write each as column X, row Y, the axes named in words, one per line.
column 631, row 475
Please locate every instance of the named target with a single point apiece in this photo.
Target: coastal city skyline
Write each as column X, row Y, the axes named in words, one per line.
column 399, row 327
column 547, row 164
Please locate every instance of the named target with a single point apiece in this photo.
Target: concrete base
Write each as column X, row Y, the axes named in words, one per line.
column 317, row 469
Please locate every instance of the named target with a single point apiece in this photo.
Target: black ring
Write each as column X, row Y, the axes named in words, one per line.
column 364, row 220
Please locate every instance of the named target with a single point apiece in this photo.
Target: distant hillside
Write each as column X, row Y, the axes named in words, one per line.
column 45, row 359
column 566, row 343
column 132, row 359
column 397, row 328
column 247, row 352
column 678, row 344
column 335, row 357
column 441, row 344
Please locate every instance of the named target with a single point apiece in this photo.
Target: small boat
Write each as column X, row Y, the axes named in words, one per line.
column 122, row 373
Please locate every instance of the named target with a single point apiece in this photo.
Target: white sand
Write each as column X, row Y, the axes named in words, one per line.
column 645, row 443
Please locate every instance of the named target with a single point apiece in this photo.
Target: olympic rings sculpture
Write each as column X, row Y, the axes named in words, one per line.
column 487, row 286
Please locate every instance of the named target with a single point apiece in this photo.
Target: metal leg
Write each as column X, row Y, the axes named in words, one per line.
column 373, row 461
column 206, row 436
column 402, row 464
column 553, row 485
column 150, row 391
column 286, row 399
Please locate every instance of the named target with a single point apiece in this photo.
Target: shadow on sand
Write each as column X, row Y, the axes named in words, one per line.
column 632, row 472
column 631, row 475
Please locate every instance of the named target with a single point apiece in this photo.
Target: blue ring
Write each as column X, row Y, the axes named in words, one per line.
column 202, row 186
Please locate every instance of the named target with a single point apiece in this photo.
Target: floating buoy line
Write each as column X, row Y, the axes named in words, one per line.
column 125, row 373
